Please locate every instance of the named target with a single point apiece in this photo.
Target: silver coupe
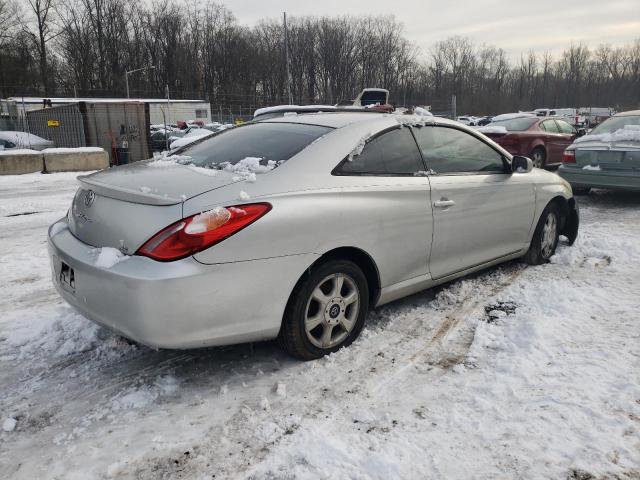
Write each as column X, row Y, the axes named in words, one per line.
column 294, row 227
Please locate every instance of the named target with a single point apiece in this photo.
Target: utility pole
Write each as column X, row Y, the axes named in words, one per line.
column 166, row 137
column 129, row 72
column 454, row 113
column 286, row 58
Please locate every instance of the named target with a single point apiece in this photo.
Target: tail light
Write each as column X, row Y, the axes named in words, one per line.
column 569, row 156
column 195, row 233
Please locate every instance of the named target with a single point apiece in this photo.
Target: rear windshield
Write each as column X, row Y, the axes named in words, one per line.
column 272, row 143
column 616, row 123
column 515, row 124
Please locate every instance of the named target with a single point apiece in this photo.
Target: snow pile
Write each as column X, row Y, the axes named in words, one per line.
column 595, row 168
column 74, row 150
column 422, row 111
column 414, row 120
column 208, row 220
column 250, row 165
column 357, row 150
column 492, row 129
column 107, row 257
column 63, row 333
column 24, row 139
column 629, row 133
column 244, row 196
column 19, row 151
column 9, row 425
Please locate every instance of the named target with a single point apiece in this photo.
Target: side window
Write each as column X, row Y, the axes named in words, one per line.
column 565, row 127
column 550, row 126
column 392, row 153
column 448, row 150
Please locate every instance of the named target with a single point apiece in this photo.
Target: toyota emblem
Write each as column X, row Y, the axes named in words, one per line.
column 89, row 197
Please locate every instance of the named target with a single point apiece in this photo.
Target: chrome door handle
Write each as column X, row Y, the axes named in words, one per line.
column 444, row 203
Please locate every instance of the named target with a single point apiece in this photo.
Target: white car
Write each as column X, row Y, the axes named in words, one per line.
column 471, row 121
column 23, row 140
column 190, row 137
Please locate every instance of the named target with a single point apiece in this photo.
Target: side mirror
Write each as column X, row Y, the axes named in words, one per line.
column 581, row 132
column 521, row 164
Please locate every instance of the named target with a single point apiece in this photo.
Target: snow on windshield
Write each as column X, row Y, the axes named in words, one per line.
column 628, row 133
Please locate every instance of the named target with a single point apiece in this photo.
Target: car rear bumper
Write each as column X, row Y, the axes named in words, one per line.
column 181, row 304
column 607, row 179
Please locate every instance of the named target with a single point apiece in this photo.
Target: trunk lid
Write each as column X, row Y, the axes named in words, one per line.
column 156, row 182
column 619, row 156
column 124, row 206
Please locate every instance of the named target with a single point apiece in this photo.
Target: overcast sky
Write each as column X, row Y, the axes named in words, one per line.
column 515, row 25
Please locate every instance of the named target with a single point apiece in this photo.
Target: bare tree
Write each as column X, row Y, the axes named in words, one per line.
column 45, row 31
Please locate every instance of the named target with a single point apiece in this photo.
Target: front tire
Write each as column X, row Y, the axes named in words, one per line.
column 326, row 311
column 545, row 238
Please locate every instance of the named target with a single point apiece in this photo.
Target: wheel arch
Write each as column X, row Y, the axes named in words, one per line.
column 568, row 216
column 358, row 256
column 538, row 144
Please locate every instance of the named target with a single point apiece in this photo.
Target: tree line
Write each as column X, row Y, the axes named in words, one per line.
column 199, row 50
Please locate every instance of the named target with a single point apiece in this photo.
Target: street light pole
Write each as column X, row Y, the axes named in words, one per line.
column 127, row 73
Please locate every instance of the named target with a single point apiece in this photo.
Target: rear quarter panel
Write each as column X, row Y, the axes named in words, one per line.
column 388, row 218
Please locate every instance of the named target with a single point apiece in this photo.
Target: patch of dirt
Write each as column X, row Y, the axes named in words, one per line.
column 498, row 310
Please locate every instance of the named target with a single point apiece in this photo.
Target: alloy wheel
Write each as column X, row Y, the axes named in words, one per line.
column 549, row 234
column 332, row 310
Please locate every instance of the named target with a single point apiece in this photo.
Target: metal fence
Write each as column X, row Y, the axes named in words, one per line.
column 62, row 124
column 112, row 126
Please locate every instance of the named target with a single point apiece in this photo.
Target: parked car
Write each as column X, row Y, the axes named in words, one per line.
column 542, row 139
column 23, row 140
column 467, row 120
column 609, row 157
column 343, row 217
column 160, row 139
column 484, row 121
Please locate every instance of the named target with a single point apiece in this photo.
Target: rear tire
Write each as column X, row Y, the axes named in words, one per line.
column 326, row 311
column 545, row 238
column 539, row 157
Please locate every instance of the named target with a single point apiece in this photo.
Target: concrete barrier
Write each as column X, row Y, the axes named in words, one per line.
column 68, row 160
column 19, row 163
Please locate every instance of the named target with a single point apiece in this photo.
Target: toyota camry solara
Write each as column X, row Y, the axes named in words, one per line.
column 293, row 228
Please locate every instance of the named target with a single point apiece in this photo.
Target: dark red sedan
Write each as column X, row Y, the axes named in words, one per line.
column 543, row 140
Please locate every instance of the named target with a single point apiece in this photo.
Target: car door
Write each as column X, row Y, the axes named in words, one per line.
column 554, row 141
column 568, row 135
column 384, row 181
column 481, row 211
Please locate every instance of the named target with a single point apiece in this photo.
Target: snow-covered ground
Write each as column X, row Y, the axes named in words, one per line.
column 517, row 372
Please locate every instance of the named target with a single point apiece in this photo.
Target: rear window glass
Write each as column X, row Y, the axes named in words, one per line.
column 616, row 123
column 516, row 124
column 271, row 142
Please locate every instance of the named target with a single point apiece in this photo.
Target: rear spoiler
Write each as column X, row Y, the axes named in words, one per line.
column 120, row 193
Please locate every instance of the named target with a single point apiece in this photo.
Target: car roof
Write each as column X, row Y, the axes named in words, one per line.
column 628, row 114
column 342, row 119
